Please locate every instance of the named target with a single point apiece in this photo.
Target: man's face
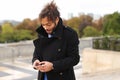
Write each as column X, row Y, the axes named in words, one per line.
column 48, row 25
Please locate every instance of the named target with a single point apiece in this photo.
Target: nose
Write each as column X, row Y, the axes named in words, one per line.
column 45, row 27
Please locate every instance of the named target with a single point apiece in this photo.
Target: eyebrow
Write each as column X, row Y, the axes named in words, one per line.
column 47, row 23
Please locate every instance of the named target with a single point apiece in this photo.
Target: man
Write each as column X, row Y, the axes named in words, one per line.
column 56, row 49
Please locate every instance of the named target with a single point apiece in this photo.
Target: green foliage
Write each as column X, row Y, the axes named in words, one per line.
column 6, row 37
column 111, row 24
column 17, row 35
column 27, row 24
column 79, row 23
column 0, row 28
column 7, row 28
column 90, row 31
column 10, row 34
column 96, row 44
column 85, row 20
column 23, row 31
column 74, row 22
column 107, row 43
column 7, row 32
column 22, row 35
column 104, row 43
column 1, row 38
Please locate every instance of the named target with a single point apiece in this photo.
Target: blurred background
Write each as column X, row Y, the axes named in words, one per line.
column 96, row 22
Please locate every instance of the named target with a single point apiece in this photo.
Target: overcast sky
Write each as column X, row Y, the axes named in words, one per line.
column 20, row 9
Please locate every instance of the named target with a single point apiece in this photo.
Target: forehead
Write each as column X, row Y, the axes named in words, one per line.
column 45, row 21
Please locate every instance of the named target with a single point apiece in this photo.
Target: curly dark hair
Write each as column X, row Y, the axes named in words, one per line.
column 50, row 11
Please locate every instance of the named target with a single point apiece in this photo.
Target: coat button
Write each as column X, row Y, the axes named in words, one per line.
column 59, row 50
column 53, row 32
column 61, row 73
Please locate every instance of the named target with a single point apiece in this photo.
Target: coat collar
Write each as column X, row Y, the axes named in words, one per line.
column 57, row 32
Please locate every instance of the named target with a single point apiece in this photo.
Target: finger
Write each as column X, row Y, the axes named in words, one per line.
column 42, row 63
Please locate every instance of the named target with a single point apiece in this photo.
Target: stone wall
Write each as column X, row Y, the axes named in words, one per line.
column 99, row 60
column 19, row 49
column 25, row 48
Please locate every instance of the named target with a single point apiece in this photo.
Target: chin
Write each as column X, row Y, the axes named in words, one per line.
column 49, row 32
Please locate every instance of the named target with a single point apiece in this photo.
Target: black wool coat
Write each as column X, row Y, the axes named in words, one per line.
column 61, row 49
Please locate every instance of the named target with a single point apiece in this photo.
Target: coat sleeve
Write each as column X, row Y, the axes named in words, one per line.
column 36, row 52
column 35, row 56
column 72, row 54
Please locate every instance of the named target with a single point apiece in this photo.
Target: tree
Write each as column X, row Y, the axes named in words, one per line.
column 73, row 23
column 0, row 28
column 90, row 31
column 111, row 24
column 22, row 35
column 28, row 24
column 85, row 20
column 7, row 28
column 7, row 32
column 98, row 24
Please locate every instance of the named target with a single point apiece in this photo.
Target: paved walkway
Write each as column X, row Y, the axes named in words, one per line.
column 114, row 75
column 21, row 69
